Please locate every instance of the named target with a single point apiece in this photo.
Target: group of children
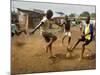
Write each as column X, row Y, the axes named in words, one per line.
column 50, row 38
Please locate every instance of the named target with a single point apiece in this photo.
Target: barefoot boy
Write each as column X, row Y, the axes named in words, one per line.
column 67, row 32
column 86, row 37
column 46, row 33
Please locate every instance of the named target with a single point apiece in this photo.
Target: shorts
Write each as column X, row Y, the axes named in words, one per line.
column 86, row 41
column 47, row 36
column 68, row 34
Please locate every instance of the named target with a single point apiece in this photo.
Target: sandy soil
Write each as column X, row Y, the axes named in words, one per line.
column 29, row 56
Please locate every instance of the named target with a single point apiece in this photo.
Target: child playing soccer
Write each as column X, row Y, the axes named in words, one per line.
column 67, row 32
column 46, row 33
column 86, row 37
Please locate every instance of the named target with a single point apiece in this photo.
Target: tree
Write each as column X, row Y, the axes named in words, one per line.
column 93, row 15
column 72, row 15
column 84, row 14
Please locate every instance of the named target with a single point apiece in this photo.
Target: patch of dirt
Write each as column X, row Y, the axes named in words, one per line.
column 29, row 56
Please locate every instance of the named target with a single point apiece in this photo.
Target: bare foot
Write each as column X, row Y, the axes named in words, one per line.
column 69, row 49
column 80, row 58
column 68, row 54
column 52, row 56
column 46, row 49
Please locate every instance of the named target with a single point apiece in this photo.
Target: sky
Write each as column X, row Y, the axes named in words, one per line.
column 65, row 8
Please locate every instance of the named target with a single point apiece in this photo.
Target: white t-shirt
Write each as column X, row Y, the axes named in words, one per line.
column 62, row 21
column 45, row 26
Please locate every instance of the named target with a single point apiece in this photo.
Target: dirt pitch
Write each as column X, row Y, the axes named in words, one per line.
column 28, row 54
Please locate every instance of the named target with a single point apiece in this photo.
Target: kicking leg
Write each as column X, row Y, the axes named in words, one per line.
column 63, row 39
column 79, row 40
column 69, row 42
column 50, row 48
column 46, row 48
column 69, row 39
column 50, row 44
column 83, row 48
column 68, row 47
column 81, row 55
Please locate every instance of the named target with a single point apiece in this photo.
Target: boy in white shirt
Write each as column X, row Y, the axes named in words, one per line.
column 45, row 31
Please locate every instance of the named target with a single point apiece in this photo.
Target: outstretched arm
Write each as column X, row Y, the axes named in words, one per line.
column 41, row 23
column 53, row 22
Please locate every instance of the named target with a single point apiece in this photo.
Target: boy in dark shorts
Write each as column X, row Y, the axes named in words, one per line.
column 67, row 32
column 46, row 32
column 86, row 37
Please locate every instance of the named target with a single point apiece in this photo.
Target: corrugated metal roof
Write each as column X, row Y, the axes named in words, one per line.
column 38, row 11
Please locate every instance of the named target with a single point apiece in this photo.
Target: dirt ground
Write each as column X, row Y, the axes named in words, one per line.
column 28, row 54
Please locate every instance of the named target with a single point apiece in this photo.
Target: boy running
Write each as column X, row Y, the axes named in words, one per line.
column 67, row 32
column 45, row 31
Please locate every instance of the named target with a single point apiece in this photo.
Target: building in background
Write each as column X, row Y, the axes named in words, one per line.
column 28, row 19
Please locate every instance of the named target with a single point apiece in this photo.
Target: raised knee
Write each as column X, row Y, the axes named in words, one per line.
column 79, row 39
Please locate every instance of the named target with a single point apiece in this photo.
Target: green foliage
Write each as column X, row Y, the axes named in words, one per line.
column 93, row 15
column 72, row 15
column 84, row 14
